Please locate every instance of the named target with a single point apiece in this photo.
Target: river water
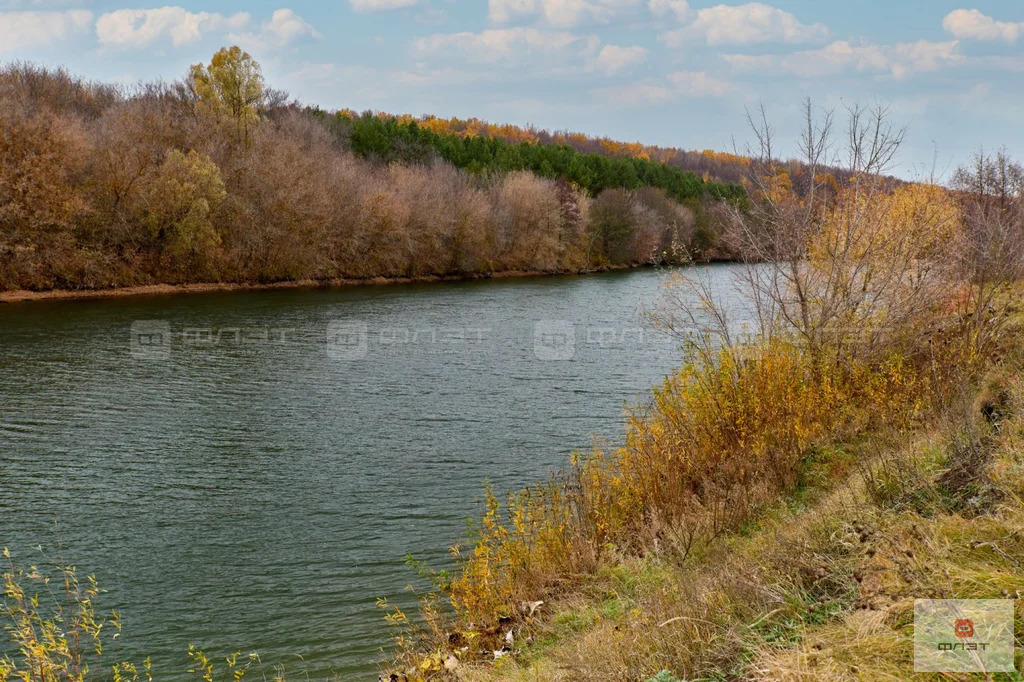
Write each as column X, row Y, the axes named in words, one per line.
column 249, row 470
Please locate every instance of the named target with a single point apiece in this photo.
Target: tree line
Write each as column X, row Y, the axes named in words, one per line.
column 219, row 178
column 730, row 168
column 392, row 138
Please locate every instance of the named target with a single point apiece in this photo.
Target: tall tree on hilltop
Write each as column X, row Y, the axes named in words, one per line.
column 230, row 86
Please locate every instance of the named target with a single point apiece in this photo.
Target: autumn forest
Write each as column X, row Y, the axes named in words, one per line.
column 219, row 178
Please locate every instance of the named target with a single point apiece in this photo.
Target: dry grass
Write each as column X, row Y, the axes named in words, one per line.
column 822, row 587
column 650, row 614
column 908, row 556
column 724, row 439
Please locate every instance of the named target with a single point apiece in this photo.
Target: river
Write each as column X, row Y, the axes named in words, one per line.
column 247, row 470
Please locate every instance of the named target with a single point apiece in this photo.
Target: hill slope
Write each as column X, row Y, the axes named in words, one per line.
column 191, row 183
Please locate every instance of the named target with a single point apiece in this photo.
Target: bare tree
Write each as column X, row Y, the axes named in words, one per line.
column 990, row 250
column 847, row 271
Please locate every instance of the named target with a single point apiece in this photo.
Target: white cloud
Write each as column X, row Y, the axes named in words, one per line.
column 560, row 13
column 909, row 58
column 378, row 5
column 141, row 27
column 747, row 24
column 496, row 45
column 635, row 94
column 972, row 24
column 900, row 60
column 283, row 28
column 681, row 84
column 680, row 9
column 20, row 30
column 346, row 75
column 502, row 11
column 432, row 16
column 698, row 84
column 40, row 4
column 613, row 59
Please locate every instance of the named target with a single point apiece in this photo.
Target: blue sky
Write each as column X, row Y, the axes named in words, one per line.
column 667, row 72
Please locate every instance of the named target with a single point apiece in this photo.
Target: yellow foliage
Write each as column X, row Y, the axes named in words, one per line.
column 779, row 187
column 923, row 214
column 913, row 221
column 178, row 203
column 726, row 158
column 724, row 436
column 51, row 619
column 231, row 87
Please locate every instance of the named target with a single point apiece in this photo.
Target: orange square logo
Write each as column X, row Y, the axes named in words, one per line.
column 964, row 628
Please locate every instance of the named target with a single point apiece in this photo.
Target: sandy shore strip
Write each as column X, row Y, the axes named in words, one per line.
column 204, row 287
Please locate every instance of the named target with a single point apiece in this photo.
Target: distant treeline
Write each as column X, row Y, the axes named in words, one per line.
column 218, row 178
column 392, row 139
column 729, row 168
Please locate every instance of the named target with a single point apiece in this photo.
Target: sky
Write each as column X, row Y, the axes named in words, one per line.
column 666, row 72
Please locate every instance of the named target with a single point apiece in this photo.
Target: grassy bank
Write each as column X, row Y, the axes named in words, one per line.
column 821, row 585
column 811, row 578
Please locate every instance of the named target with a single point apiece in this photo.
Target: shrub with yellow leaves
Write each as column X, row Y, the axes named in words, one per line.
column 57, row 633
column 52, row 621
column 722, row 438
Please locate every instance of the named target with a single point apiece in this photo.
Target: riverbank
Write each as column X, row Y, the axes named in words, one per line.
column 845, row 497
column 22, row 296
column 822, row 586
column 309, row 195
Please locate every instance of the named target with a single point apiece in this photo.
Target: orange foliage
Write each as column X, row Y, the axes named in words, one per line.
column 725, row 157
column 474, row 127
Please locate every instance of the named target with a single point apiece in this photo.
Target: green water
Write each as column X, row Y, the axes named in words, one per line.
column 248, row 470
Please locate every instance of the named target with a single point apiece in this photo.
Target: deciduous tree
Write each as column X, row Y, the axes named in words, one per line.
column 230, row 86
